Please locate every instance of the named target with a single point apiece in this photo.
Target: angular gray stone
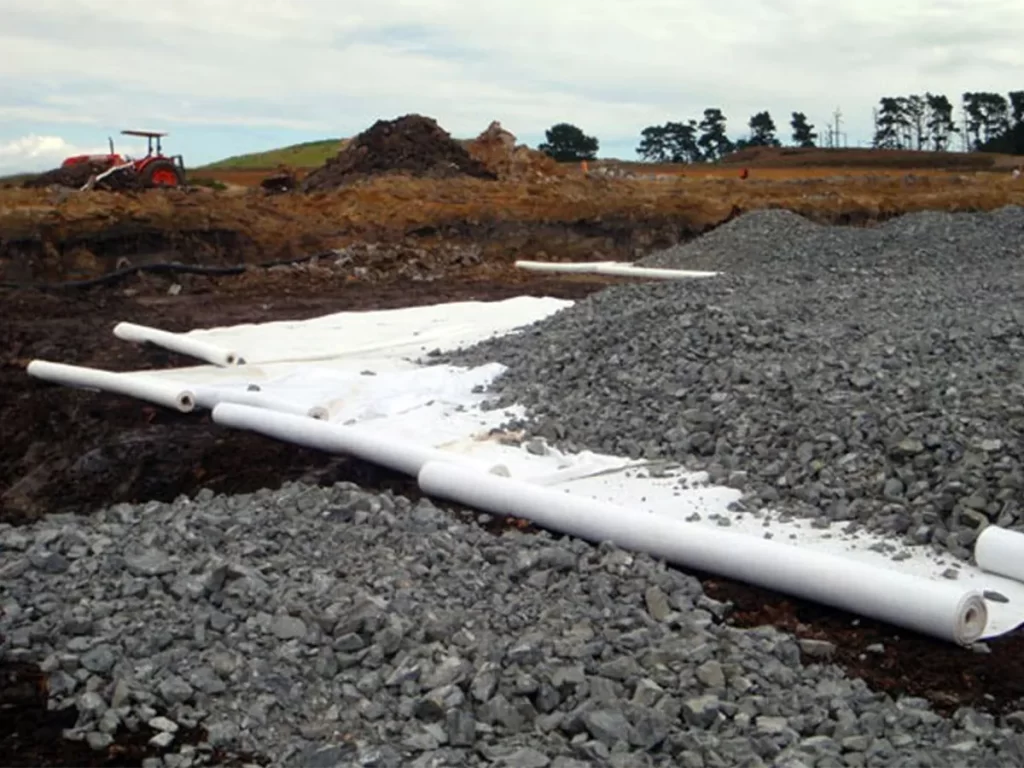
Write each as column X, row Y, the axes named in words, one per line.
column 711, row 675
column 701, row 711
column 288, row 628
column 657, row 603
column 607, row 726
column 174, row 690
column 150, row 562
column 101, row 659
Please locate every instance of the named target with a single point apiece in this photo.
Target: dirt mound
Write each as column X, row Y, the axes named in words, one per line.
column 413, row 145
column 282, row 180
column 496, row 148
column 76, row 176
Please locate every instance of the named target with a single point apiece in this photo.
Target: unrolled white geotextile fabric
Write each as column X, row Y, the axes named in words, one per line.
column 356, row 374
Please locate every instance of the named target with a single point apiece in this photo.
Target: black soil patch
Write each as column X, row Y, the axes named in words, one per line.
column 33, row 735
column 900, row 662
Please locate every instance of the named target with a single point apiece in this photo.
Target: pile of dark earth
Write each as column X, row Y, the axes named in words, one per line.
column 868, row 376
column 76, row 176
column 332, row 627
column 412, row 144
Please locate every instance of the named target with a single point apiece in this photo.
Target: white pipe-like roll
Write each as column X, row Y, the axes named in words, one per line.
column 929, row 607
column 362, row 443
column 210, row 397
column 1000, row 551
column 140, row 386
column 578, row 267
column 177, row 342
column 628, row 270
column 614, row 268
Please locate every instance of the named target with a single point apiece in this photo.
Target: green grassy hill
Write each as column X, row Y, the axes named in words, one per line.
column 310, row 154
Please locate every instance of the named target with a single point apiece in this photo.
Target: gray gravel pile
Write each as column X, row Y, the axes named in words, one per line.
column 870, row 376
column 777, row 238
column 331, row 627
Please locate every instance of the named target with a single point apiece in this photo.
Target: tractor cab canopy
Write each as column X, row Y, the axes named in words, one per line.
column 152, row 139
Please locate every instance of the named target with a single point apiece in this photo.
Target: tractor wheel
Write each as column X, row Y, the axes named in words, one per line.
column 162, row 173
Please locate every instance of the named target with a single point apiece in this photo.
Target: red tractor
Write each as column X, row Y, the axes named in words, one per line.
column 153, row 170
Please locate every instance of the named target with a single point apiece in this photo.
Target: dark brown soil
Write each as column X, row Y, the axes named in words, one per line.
column 413, row 145
column 906, row 664
column 63, row 450
column 281, row 181
column 76, row 176
column 32, row 735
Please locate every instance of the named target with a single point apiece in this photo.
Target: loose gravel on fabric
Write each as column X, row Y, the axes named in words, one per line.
column 334, row 627
column 872, row 376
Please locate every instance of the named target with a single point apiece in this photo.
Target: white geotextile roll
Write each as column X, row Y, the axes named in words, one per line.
column 613, row 268
column 930, row 607
column 211, row 397
column 1000, row 551
column 363, row 443
column 137, row 385
column 178, row 342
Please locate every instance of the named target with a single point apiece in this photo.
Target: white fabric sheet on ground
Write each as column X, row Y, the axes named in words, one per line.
column 380, row 333
column 361, row 366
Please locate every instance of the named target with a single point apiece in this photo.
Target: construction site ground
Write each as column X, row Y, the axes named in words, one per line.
column 429, row 226
column 397, row 242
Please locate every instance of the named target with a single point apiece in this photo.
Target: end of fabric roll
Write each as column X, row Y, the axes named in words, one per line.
column 972, row 619
column 123, row 331
column 186, row 401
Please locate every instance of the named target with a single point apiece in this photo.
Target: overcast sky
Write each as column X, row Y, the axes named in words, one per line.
column 232, row 76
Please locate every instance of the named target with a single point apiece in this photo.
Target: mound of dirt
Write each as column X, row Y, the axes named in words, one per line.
column 76, row 176
column 496, row 148
column 282, row 180
column 412, row 145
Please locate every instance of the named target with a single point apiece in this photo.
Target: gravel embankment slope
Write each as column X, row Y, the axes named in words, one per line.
column 863, row 375
column 330, row 627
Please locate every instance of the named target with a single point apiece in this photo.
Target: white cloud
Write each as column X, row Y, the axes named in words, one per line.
column 35, row 153
column 610, row 66
column 40, row 153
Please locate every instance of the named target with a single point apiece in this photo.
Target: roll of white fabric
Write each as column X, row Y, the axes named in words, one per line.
column 141, row 386
column 178, row 342
column 399, row 455
column 941, row 610
column 1000, row 551
column 211, row 397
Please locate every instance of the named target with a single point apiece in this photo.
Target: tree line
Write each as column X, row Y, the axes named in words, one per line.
column 989, row 122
